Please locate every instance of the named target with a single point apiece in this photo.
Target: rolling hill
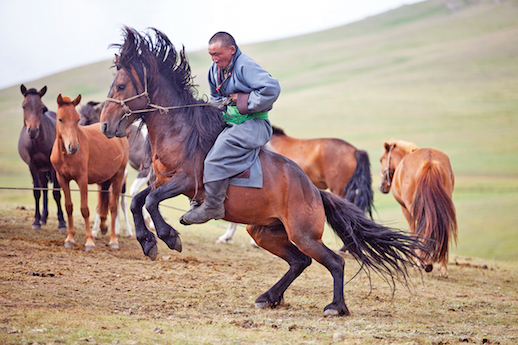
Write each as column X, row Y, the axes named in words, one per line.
column 424, row 73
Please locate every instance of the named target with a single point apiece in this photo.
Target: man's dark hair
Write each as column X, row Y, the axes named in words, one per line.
column 225, row 38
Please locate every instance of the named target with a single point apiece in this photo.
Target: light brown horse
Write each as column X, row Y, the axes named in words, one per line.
column 286, row 216
column 422, row 182
column 85, row 155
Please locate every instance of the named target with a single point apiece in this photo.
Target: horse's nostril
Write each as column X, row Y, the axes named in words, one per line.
column 104, row 127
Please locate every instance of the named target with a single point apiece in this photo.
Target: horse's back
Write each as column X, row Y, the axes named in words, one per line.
column 285, row 185
column 412, row 167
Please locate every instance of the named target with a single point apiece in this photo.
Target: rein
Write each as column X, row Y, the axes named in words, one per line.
column 152, row 107
column 386, row 172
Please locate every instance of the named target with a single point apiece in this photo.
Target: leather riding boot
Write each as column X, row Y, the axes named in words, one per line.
column 212, row 207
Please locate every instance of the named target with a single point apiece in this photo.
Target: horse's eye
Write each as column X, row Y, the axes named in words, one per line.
column 121, row 87
column 60, row 120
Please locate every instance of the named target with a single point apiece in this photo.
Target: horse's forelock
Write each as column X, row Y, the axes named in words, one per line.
column 32, row 91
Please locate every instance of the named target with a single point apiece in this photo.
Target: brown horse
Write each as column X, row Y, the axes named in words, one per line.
column 330, row 163
column 34, row 146
column 422, row 182
column 286, row 216
column 86, row 156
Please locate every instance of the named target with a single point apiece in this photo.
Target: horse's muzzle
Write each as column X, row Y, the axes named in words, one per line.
column 105, row 129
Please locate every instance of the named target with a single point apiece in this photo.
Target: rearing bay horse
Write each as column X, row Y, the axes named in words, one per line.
column 330, row 163
column 422, row 182
column 286, row 216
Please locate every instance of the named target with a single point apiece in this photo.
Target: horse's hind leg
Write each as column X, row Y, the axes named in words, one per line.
column 275, row 240
column 145, row 237
column 309, row 242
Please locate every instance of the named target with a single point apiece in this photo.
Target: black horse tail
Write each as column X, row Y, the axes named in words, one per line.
column 387, row 251
column 359, row 188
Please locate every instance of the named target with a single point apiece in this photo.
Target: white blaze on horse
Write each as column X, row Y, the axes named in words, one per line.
column 85, row 155
column 422, row 182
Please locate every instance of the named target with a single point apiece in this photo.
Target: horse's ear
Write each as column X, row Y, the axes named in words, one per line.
column 42, row 91
column 387, row 146
column 23, row 89
column 76, row 101
column 116, row 59
column 60, row 100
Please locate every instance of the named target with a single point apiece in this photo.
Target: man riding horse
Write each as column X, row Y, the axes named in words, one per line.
column 249, row 92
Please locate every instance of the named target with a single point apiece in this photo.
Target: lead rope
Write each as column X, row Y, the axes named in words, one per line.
column 128, row 112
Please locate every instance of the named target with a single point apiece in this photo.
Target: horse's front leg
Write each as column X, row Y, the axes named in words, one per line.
column 69, row 208
column 145, row 237
column 170, row 189
column 85, row 212
column 62, row 225
column 36, row 225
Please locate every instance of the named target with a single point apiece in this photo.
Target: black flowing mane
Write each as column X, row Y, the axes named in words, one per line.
column 160, row 58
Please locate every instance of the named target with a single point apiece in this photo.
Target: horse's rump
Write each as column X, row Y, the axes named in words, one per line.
column 433, row 212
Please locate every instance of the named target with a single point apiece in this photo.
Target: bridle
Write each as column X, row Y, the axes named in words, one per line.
column 150, row 106
column 387, row 175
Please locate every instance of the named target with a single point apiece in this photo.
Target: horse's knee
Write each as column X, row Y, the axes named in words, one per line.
column 85, row 212
column 69, row 208
column 136, row 205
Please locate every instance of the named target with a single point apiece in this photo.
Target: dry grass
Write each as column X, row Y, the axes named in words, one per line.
column 206, row 295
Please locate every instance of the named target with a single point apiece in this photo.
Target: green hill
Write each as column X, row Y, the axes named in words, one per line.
column 421, row 73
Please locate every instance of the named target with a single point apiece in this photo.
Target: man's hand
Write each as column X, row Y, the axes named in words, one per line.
column 234, row 97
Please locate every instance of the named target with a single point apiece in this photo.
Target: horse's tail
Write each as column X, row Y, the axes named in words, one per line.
column 433, row 212
column 387, row 251
column 104, row 199
column 359, row 188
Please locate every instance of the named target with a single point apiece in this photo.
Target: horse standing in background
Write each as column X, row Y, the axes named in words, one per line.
column 330, row 163
column 422, row 182
column 138, row 149
column 34, row 146
column 286, row 216
column 85, row 155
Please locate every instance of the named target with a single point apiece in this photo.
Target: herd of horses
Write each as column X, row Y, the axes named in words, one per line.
column 153, row 87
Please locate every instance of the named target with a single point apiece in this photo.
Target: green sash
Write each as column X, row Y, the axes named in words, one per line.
column 232, row 115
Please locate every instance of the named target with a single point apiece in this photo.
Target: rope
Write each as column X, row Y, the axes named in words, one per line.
column 77, row 190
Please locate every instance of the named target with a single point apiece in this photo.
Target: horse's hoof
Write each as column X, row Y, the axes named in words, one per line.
column 331, row 312
column 263, row 305
column 69, row 245
column 62, row 229
column 104, row 231
column 178, row 244
column 114, row 246
column 36, row 227
column 153, row 253
column 89, row 248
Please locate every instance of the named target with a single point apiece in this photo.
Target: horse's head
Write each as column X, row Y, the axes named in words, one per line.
column 68, row 123
column 33, row 110
column 395, row 151
column 123, row 99
column 90, row 113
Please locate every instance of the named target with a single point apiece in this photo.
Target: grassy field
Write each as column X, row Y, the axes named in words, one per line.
column 419, row 73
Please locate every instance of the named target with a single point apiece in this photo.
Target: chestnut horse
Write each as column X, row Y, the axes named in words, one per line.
column 422, row 182
column 286, row 216
column 83, row 154
column 34, row 146
column 330, row 163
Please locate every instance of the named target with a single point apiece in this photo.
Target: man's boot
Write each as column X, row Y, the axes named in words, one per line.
column 212, row 207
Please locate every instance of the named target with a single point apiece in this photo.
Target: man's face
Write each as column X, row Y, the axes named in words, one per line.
column 221, row 55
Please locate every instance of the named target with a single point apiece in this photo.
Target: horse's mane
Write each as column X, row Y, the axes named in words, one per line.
column 278, row 131
column 160, row 58
column 406, row 146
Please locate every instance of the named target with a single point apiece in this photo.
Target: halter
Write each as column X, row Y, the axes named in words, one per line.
column 386, row 174
column 152, row 107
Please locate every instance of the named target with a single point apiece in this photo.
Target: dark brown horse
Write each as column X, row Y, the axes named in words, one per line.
column 422, row 182
column 34, row 146
column 286, row 216
column 83, row 154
